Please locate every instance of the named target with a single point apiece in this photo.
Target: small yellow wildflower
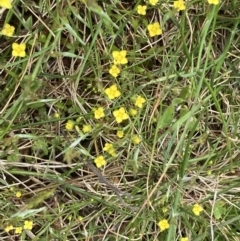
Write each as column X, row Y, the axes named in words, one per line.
column 197, row 209
column 141, row 9
column 18, row 230
column 112, row 92
column 18, row 194
column 153, row 2
column 8, row 228
column 86, row 128
column 109, row 149
column 183, row 239
column 132, row 112
column 70, row 125
column 28, row 225
column 120, row 115
column 214, row 2
column 136, row 139
column 99, row 113
column 119, row 57
column 7, row 30
column 120, row 134
column 163, row 224
column 154, row 29
column 114, row 71
column 80, row 218
column 18, row 50
column 179, row 5
column 57, row 115
column 139, row 101
column 100, row 161
column 5, row 4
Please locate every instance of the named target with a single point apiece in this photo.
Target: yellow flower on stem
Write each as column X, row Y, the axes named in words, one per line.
column 100, row 161
column 214, row 2
column 8, row 30
column 5, row 4
column 179, row 5
column 120, row 134
column 18, row 230
column 197, row 209
column 120, row 115
column 28, row 225
column 114, row 71
column 154, row 29
column 136, row 139
column 99, row 113
column 112, row 92
column 163, row 224
column 70, row 125
column 139, row 101
column 86, row 128
column 119, row 57
column 141, row 9
column 153, row 2
column 18, row 50
column 8, row 228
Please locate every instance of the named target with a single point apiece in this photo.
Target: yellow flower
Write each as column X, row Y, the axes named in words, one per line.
column 141, row 9
column 153, row 2
column 5, row 4
column 86, row 128
column 8, row 228
column 57, row 115
column 112, row 92
column 99, row 113
column 179, row 5
column 120, row 134
column 109, row 149
column 139, row 101
column 197, row 209
column 132, row 112
column 18, row 194
column 18, row 230
column 163, row 224
column 215, row 2
column 114, row 71
column 183, row 239
column 28, row 225
column 120, row 115
column 80, row 218
column 119, row 57
column 154, row 29
column 70, row 125
column 100, row 161
column 18, row 50
column 136, row 139
column 8, row 30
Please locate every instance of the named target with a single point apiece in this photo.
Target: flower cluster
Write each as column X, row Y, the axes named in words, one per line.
column 119, row 58
column 28, row 225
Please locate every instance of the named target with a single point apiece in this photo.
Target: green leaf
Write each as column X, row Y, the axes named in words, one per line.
column 219, row 210
column 166, row 117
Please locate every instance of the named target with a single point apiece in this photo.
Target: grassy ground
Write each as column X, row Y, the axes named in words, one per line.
column 180, row 150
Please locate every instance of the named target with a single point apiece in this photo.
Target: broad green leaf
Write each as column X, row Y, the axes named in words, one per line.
column 219, row 210
column 166, row 117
